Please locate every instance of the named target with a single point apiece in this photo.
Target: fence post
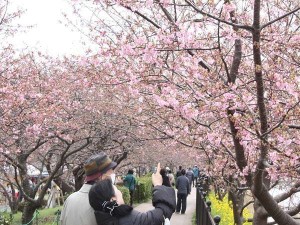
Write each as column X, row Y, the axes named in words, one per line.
column 36, row 219
column 58, row 212
column 208, row 203
column 204, row 196
column 197, row 206
column 138, row 189
column 217, row 219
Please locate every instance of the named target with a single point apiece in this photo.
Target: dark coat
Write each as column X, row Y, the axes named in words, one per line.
column 183, row 185
column 163, row 200
column 190, row 175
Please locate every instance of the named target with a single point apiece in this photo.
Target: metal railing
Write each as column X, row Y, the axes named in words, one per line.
column 203, row 208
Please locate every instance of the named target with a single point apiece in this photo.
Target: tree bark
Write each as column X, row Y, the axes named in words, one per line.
column 64, row 186
column 79, row 176
column 28, row 212
column 237, row 205
column 259, row 216
column 259, row 189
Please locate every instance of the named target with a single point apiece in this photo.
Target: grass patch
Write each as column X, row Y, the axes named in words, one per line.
column 194, row 218
column 45, row 217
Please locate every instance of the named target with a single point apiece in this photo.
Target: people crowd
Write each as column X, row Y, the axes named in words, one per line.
column 100, row 202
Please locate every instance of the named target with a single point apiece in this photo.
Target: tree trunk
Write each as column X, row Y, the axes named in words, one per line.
column 258, row 217
column 237, row 198
column 79, row 176
column 273, row 208
column 64, row 186
column 28, row 213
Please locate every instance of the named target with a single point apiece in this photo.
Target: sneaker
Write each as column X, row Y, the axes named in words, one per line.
column 182, row 213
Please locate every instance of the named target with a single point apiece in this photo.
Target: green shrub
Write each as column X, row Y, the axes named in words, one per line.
column 142, row 193
column 143, row 190
column 125, row 193
column 224, row 210
column 6, row 218
column 149, row 175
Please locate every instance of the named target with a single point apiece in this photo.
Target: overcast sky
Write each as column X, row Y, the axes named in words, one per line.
column 47, row 34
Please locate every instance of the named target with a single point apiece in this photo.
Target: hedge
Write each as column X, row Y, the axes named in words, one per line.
column 142, row 193
column 143, row 190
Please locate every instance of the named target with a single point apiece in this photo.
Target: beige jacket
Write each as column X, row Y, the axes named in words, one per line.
column 77, row 209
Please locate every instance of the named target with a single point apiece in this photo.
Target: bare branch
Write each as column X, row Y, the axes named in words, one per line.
column 294, row 126
column 279, row 18
column 281, row 121
column 143, row 16
column 236, row 60
column 187, row 49
column 294, row 189
column 245, row 27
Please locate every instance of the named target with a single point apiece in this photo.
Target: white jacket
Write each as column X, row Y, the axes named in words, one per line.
column 77, row 209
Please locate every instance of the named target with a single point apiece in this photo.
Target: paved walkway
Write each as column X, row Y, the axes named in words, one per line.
column 177, row 219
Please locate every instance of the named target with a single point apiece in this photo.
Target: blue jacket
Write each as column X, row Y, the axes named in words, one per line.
column 196, row 171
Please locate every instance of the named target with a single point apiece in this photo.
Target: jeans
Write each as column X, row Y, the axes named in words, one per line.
column 181, row 202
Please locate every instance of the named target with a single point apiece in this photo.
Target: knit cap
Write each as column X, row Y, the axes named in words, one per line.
column 97, row 165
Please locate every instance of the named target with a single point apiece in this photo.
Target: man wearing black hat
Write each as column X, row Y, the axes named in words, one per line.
column 77, row 209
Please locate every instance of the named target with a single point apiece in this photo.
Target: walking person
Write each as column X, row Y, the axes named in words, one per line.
column 166, row 180
column 171, row 177
column 76, row 209
column 130, row 182
column 178, row 172
column 196, row 175
column 190, row 176
column 183, row 189
column 108, row 203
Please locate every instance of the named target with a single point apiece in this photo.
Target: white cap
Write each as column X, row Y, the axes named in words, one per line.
column 167, row 168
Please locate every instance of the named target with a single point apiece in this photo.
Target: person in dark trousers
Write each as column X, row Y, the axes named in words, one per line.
column 196, row 175
column 178, row 173
column 166, row 180
column 108, row 203
column 130, row 182
column 183, row 189
column 190, row 176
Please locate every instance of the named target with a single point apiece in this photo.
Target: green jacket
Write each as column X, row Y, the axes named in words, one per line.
column 130, row 182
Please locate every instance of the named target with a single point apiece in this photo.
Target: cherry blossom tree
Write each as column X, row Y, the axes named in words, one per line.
column 54, row 116
column 220, row 77
column 36, row 122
